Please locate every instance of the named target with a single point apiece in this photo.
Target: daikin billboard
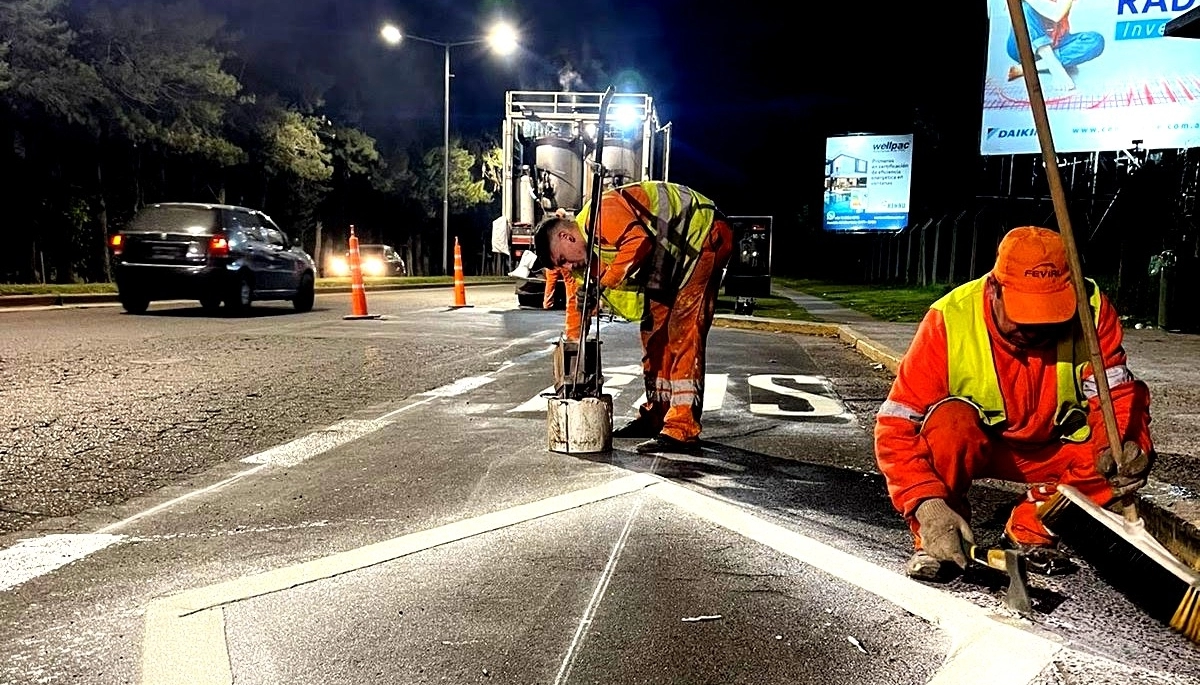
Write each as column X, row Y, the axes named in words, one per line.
column 1107, row 71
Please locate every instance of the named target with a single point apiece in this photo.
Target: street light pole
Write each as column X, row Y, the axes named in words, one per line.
column 446, row 168
column 503, row 40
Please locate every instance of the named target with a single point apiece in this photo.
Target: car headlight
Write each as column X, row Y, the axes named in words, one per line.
column 338, row 266
column 373, row 267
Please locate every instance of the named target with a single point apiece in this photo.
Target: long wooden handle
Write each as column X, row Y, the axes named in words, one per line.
column 1037, row 105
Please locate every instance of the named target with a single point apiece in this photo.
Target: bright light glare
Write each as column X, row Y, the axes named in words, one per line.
column 503, row 39
column 391, row 34
column 373, row 267
column 625, row 116
column 338, row 266
column 589, row 130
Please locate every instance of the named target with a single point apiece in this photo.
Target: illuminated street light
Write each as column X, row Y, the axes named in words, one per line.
column 502, row 39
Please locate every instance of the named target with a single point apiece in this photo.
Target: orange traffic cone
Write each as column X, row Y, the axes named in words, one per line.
column 358, row 293
column 460, row 283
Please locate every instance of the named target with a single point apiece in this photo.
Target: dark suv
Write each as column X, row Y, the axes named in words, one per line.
column 211, row 253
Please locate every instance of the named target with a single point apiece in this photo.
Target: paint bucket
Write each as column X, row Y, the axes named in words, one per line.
column 582, row 426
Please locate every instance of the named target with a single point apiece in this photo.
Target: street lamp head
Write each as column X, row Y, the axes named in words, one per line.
column 391, row 34
column 502, row 38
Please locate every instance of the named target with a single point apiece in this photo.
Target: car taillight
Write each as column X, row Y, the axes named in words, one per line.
column 116, row 243
column 218, row 246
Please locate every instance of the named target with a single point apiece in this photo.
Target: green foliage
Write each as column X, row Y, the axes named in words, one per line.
column 105, row 106
column 294, row 148
column 468, row 185
column 40, row 74
column 159, row 62
column 884, row 302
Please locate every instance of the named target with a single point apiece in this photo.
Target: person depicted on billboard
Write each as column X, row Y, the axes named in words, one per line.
column 1056, row 49
column 671, row 244
column 998, row 383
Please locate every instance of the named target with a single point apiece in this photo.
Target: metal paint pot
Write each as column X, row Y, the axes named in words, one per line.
column 581, row 426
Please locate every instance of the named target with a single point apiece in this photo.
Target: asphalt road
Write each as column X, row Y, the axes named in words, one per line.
column 297, row 498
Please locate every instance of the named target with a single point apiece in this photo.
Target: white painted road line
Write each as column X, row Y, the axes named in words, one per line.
column 982, row 646
column 185, row 633
column 301, row 449
column 31, row 558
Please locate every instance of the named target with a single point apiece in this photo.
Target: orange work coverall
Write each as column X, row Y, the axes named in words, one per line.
column 929, row 450
column 673, row 334
column 574, row 321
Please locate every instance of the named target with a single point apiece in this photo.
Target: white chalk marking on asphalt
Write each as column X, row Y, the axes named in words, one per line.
column 172, row 502
column 313, row 444
column 34, row 557
column 179, row 648
column 980, row 643
column 589, row 613
column 460, row 386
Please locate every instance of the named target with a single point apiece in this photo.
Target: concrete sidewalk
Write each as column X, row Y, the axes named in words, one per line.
column 1167, row 362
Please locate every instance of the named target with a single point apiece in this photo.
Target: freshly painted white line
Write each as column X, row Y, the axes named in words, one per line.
column 34, row 557
column 460, row 386
column 981, row 645
column 535, row 403
column 313, row 444
column 715, row 386
column 178, row 648
column 188, row 648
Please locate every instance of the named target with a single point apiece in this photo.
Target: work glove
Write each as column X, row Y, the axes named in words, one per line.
column 593, row 299
column 943, row 531
column 1129, row 477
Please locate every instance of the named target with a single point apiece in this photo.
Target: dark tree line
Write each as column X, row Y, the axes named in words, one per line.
column 105, row 107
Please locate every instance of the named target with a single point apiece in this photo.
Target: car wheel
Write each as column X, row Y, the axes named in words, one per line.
column 305, row 294
column 241, row 294
column 134, row 302
column 210, row 303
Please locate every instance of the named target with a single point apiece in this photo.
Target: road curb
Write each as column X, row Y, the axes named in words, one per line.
column 1179, row 532
column 69, row 299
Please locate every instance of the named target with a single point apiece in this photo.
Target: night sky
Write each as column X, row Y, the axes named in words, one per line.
column 752, row 88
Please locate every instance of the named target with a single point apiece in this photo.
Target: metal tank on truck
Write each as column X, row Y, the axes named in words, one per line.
column 549, row 141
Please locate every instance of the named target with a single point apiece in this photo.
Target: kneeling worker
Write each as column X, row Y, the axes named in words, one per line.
column 997, row 383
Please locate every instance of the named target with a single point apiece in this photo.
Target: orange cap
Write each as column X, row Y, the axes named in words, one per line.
column 1031, row 266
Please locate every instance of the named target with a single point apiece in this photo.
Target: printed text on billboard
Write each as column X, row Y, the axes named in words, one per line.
column 867, row 183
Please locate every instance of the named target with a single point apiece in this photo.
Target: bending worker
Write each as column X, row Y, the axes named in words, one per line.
column 997, row 383
column 669, row 243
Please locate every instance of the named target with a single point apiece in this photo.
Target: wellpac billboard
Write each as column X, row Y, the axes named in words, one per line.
column 867, row 181
column 1107, row 71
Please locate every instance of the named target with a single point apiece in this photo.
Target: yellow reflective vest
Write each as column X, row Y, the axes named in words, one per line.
column 680, row 220
column 972, row 373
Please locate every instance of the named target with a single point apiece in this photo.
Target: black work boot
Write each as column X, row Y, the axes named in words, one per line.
column 641, row 427
column 665, row 444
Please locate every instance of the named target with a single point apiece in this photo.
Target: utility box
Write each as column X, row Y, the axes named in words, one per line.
column 749, row 271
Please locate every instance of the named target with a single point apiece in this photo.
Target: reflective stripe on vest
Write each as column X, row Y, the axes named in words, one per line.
column 972, row 373
column 680, row 220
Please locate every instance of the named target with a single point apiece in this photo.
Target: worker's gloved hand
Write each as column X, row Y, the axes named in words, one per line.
column 593, row 298
column 943, row 531
column 1129, row 477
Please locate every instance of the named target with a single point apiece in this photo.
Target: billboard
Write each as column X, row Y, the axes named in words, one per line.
column 867, row 182
column 1108, row 74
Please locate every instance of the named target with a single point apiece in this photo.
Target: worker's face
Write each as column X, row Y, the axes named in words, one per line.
column 568, row 250
column 1023, row 336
